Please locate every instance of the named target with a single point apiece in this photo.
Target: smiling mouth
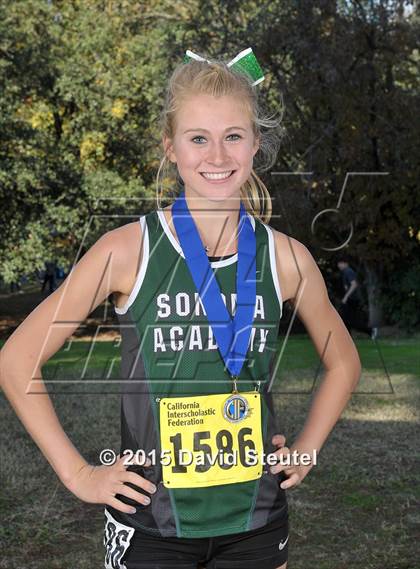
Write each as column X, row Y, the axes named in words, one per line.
column 217, row 175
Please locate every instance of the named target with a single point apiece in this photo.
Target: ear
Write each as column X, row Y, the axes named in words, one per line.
column 168, row 148
column 256, row 145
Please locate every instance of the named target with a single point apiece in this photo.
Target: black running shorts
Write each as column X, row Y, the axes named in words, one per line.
column 127, row 548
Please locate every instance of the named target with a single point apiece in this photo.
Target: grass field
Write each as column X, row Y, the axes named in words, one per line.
column 358, row 508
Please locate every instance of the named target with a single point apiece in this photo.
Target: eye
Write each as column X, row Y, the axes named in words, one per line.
column 238, row 135
column 195, row 137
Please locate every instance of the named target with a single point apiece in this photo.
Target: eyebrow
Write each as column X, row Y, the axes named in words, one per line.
column 205, row 130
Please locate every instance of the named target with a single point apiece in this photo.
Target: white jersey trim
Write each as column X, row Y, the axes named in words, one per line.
column 142, row 270
column 273, row 264
column 177, row 246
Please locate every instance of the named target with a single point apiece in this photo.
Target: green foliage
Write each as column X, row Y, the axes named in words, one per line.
column 82, row 86
column 80, row 89
column 401, row 298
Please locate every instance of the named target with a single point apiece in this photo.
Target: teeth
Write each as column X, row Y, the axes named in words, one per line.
column 218, row 176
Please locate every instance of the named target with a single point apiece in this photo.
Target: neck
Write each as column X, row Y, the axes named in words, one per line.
column 217, row 223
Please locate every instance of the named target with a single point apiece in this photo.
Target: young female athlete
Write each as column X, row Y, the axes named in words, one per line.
column 198, row 287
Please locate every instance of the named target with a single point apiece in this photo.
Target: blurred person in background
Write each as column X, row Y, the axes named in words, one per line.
column 351, row 309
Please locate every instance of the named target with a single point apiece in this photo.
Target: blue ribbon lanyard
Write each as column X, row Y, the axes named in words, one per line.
column 232, row 335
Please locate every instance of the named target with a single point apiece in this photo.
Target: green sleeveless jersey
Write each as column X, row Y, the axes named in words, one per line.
column 168, row 349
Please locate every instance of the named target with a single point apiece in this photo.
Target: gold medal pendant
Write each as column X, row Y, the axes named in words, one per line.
column 236, row 408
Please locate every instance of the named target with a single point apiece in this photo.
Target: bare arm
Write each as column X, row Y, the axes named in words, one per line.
column 334, row 346
column 100, row 272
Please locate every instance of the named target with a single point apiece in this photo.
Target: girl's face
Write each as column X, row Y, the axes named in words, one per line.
column 213, row 136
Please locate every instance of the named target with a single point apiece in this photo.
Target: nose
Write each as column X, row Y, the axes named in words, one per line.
column 217, row 154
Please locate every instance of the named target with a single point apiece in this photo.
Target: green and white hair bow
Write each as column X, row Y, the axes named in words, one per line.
column 244, row 62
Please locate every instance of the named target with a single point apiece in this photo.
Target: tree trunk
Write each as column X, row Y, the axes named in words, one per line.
column 373, row 287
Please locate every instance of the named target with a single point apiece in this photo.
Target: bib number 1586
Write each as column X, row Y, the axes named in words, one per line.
column 226, row 455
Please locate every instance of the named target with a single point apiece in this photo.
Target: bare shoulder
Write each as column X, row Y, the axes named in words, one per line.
column 125, row 246
column 293, row 260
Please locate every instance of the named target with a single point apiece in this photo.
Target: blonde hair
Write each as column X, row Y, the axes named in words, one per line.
column 217, row 79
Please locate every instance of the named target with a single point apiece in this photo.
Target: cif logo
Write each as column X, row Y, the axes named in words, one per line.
column 236, row 408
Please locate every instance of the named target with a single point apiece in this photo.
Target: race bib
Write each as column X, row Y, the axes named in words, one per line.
column 210, row 440
column 117, row 539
